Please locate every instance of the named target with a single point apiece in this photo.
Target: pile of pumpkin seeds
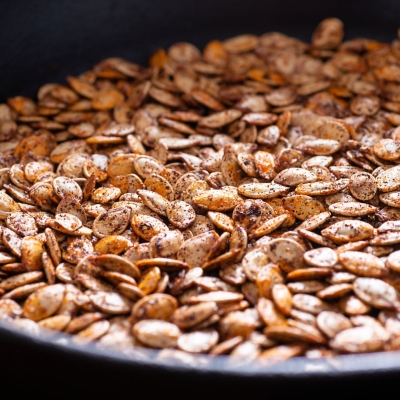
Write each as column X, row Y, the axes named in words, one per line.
column 243, row 200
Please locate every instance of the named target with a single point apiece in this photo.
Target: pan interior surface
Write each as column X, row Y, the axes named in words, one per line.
column 44, row 41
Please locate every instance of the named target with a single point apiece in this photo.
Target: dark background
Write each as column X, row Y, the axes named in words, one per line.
column 43, row 41
column 32, row 369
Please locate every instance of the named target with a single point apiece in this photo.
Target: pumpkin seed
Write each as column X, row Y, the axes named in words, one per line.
column 193, row 195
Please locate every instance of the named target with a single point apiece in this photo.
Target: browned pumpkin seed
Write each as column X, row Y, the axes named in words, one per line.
column 112, row 222
column 363, row 186
column 115, row 263
column 262, row 190
column 306, row 286
column 315, row 221
column 309, row 273
column 23, row 291
column 164, row 263
column 20, row 280
column 363, row 264
column 393, row 261
column 351, row 305
column 348, row 231
column 362, row 339
column 268, row 276
column 291, row 334
column 31, row 250
column 219, row 297
column 269, row 313
column 216, row 200
column 335, row 291
column 44, row 302
column 310, row 304
column 221, row 220
column 389, row 180
column 376, row 293
column 303, row 207
column 155, row 306
column 198, row 341
column 268, row 227
column 282, row 298
column 331, row 323
column 282, row 352
column 66, row 186
column 156, row 333
column 352, row 209
column 110, row 303
column 287, row 253
column 319, row 147
column 321, row 257
column 55, row 323
column 180, row 214
column 220, row 119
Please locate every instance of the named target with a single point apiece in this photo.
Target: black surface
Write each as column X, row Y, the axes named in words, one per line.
column 43, row 41
column 40, row 369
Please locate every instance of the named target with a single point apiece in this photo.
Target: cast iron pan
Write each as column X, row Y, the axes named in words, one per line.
column 43, row 41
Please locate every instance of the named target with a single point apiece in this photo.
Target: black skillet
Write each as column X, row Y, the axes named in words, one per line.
column 44, row 41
